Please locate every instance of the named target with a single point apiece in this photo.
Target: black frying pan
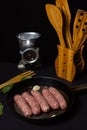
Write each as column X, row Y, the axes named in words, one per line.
column 68, row 93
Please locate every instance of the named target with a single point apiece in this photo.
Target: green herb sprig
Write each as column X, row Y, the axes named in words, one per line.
column 1, row 109
column 5, row 90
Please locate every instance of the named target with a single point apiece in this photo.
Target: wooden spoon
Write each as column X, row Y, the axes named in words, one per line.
column 56, row 19
column 64, row 7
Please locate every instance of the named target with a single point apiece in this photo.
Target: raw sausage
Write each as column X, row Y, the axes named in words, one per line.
column 33, row 103
column 42, row 101
column 59, row 97
column 50, row 98
column 22, row 105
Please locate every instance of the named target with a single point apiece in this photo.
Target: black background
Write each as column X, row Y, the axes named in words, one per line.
column 30, row 15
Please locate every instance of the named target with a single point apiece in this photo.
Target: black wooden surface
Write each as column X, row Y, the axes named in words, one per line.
column 30, row 15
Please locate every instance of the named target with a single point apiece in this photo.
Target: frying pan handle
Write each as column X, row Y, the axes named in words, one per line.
column 79, row 87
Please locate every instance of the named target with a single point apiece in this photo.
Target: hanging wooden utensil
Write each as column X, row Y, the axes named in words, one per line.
column 64, row 7
column 56, row 19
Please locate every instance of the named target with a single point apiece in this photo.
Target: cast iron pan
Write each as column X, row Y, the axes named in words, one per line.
column 67, row 92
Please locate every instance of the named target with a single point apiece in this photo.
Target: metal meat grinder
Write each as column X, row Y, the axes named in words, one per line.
column 28, row 49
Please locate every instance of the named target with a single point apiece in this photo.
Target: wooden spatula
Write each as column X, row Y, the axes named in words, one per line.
column 56, row 19
column 76, row 25
column 82, row 35
column 64, row 7
column 79, row 28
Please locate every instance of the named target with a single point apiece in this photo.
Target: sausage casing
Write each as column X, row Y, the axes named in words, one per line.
column 42, row 101
column 50, row 98
column 33, row 103
column 22, row 105
column 60, row 98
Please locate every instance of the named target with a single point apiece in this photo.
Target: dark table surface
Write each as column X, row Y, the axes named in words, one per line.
column 74, row 119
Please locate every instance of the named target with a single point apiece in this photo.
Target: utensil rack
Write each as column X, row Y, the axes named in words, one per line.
column 69, row 61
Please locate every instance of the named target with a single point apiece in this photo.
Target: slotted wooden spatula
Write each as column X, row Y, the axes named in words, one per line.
column 79, row 37
column 83, row 32
column 79, row 28
column 56, row 19
column 76, row 25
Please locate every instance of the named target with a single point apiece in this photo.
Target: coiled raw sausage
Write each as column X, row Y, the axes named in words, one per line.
column 33, row 103
column 50, row 98
column 60, row 98
column 22, row 105
column 42, row 101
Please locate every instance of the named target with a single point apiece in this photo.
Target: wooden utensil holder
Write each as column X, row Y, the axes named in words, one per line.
column 66, row 65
